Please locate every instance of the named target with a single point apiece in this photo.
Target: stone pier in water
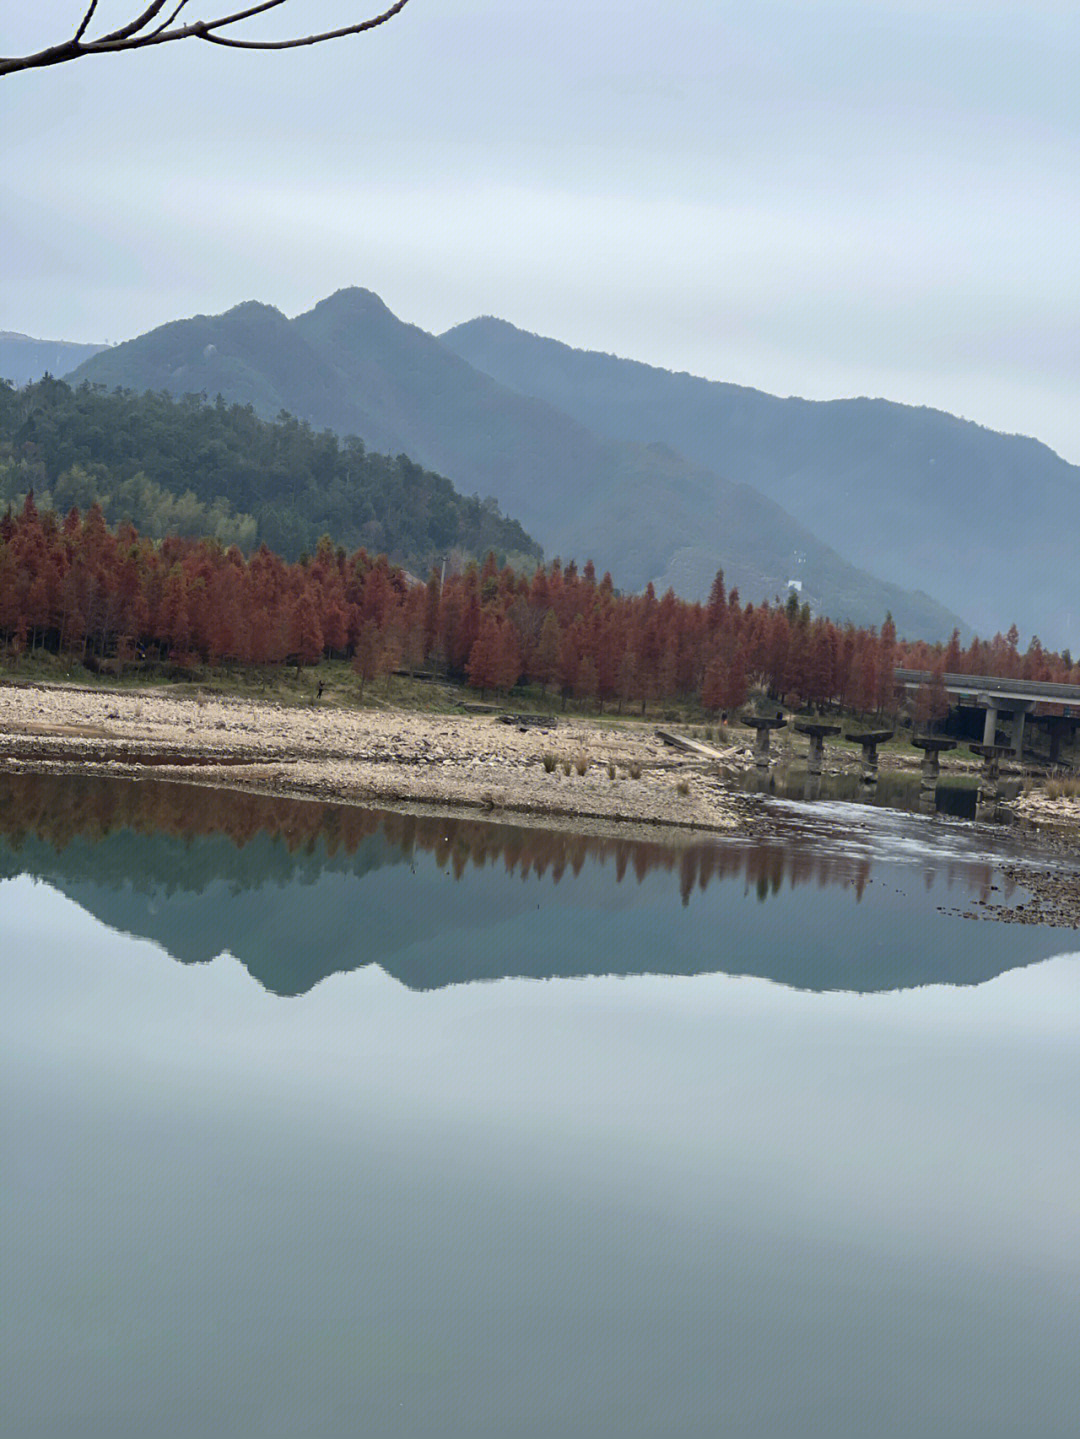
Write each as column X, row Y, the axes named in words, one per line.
column 933, row 747
column 991, row 756
column 816, row 732
column 764, row 725
column 869, row 740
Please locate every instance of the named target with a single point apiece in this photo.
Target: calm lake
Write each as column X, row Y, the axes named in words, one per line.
column 325, row 1122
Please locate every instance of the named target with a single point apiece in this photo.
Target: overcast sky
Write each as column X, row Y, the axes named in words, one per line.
column 818, row 199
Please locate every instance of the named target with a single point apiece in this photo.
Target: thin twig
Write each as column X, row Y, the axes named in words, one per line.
column 304, row 40
column 140, row 22
column 81, row 31
column 166, row 23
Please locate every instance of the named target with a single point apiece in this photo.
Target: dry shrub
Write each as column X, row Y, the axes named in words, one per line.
column 634, row 770
column 581, row 762
column 566, row 766
column 683, row 787
column 549, row 762
column 611, row 771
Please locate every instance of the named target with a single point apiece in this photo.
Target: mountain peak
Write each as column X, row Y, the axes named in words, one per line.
column 252, row 308
column 353, row 302
column 489, row 323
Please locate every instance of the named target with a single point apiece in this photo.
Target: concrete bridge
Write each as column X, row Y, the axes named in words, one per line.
column 1016, row 698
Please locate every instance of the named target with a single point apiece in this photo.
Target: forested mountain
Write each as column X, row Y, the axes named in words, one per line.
column 23, row 359
column 989, row 523
column 641, row 511
column 184, row 467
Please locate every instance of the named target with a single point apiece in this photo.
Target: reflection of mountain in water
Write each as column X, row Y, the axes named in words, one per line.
column 298, row 891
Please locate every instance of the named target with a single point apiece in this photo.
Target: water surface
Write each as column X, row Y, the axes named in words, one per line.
column 328, row 1123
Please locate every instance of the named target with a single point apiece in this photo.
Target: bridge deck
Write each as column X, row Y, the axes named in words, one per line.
column 995, row 687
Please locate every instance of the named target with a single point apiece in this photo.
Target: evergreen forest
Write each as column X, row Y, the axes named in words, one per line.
column 189, row 468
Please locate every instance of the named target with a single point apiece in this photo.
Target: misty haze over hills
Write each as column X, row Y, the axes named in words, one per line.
column 660, row 476
column 23, row 359
column 988, row 523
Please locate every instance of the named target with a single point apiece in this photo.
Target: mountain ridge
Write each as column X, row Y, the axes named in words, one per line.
column 349, row 365
column 984, row 519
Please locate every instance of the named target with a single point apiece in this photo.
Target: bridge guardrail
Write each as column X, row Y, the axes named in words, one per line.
column 996, row 684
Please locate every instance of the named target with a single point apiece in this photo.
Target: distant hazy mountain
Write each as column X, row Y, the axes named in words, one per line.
column 989, row 523
column 641, row 510
column 23, row 359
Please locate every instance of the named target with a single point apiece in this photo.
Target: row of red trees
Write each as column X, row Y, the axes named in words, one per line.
column 77, row 588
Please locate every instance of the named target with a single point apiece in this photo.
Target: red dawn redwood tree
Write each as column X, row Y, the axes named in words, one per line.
column 712, row 686
column 368, row 659
column 305, row 641
column 544, row 662
column 483, row 666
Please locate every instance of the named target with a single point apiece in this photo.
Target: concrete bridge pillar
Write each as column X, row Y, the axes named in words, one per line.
column 816, row 734
column 990, row 727
column 1022, row 711
column 992, row 755
column 869, row 740
column 1055, row 743
column 762, row 745
column 764, row 727
column 932, row 747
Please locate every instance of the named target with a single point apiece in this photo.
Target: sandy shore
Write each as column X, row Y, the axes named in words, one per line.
column 377, row 757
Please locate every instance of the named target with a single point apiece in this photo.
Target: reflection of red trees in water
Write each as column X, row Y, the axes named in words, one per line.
column 59, row 809
column 77, row 588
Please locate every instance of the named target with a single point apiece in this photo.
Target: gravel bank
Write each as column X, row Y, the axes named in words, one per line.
column 378, row 757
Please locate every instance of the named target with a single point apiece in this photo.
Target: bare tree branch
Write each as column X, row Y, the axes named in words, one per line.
column 141, row 31
column 305, row 39
column 139, row 23
column 81, row 31
column 166, row 23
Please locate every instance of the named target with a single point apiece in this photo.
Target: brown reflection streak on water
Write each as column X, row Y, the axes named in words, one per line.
column 58, row 809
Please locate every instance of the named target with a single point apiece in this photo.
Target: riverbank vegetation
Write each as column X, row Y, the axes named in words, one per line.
column 115, row 602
